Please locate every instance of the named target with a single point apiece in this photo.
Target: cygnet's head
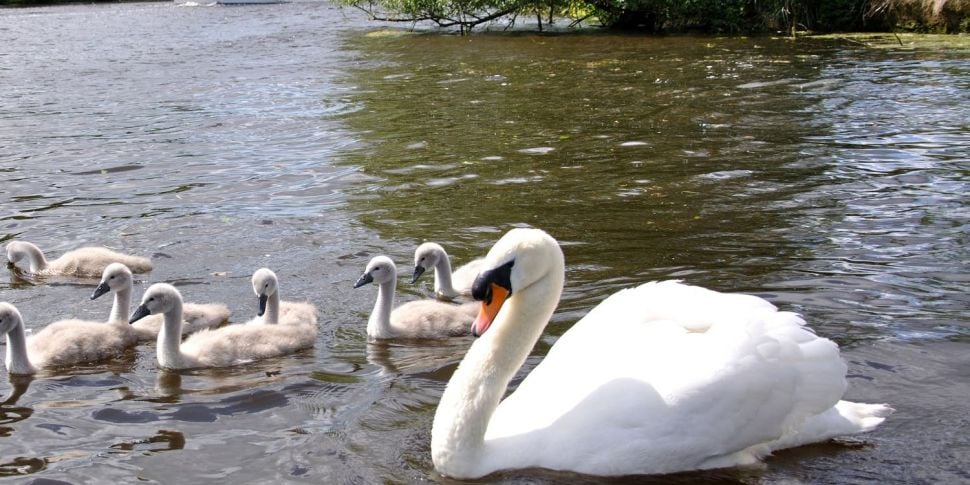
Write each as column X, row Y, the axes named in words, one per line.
column 159, row 298
column 114, row 278
column 426, row 257
column 9, row 318
column 16, row 250
column 379, row 270
column 265, row 284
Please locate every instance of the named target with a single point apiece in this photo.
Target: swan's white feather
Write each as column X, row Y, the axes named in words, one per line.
column 678, row 394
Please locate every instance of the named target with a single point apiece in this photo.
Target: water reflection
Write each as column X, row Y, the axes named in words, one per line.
column 9, row 412
column 433, row 360
column 164, row 440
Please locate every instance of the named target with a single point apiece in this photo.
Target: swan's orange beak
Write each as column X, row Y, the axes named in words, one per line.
column 489, row 309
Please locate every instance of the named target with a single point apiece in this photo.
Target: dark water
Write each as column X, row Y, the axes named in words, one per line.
column 828, row 178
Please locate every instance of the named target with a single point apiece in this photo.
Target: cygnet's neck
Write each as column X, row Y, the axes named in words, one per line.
column 17, row 360
column 271, row 316
column 442, row 278
column 478, row 384
column 170, row 337
column 35, row 257
column 379, row 323
column 121, row 306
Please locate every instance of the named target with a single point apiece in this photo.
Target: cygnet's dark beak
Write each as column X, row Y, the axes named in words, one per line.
column 141, row 312
column 262, row 304
column 418, row 271
column 364, row 279
column 100, row 290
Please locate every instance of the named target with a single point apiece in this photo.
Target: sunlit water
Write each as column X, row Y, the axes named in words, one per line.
column 828, row 178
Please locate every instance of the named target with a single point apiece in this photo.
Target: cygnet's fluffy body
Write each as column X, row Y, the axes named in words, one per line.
column 272, row 310
column 74, row 341
column 221, row 347
column 117, row 279
column 83, row 262
column 63, row 342
column 421, row 319
column 448, row 285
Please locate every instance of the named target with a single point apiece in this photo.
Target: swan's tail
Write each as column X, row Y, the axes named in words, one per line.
column 863, row 417
column 844, row 418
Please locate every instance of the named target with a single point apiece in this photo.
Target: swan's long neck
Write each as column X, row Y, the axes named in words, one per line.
column 442, row 278
column 36, row 258
column 170, row 337
column 17, row 360
column 474, row 391
column 272, row 314
column 379, row 323
column 121, row 307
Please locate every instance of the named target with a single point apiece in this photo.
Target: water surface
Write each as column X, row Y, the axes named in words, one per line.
column 827, row 178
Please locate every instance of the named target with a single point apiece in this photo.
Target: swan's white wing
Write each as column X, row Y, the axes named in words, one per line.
column 668, row 377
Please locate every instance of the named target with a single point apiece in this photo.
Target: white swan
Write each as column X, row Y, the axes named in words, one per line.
column 421, row 319
column 63, row 342
column 88, row 261
column 271, row 310
column 660, row 378
column 447, row 285
column 221, row 347
column 117, row 278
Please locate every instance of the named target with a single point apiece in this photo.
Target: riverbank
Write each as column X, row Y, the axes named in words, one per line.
column 898, row 40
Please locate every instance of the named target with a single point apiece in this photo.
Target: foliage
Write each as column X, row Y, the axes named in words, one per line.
column 710, row 16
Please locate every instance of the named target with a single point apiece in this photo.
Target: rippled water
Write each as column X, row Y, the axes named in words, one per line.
column 828, row 178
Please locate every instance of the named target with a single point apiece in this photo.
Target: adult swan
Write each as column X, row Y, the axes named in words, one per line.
column 660, row 378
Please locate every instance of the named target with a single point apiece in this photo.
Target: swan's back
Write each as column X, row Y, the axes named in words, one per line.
column 195, row 317
column 670, row 377
column 237, row 344
column 91, row 261
column 463, row 277
column 432, row 319
column 74, row 341
column 297, row 313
